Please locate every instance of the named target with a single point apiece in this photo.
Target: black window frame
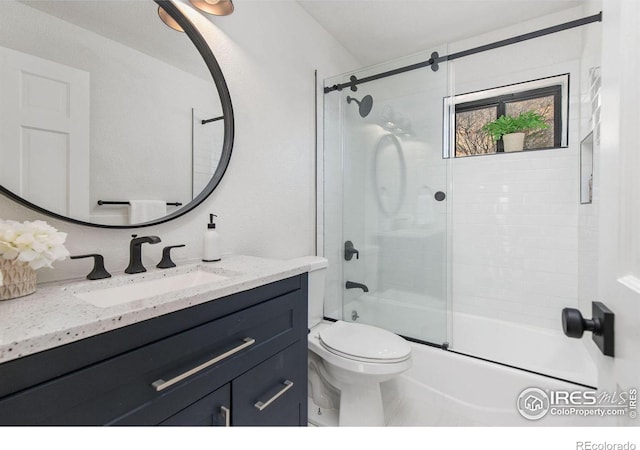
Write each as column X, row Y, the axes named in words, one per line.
column 501, row 102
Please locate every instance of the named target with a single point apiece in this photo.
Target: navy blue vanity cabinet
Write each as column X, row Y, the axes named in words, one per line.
column 209, row 364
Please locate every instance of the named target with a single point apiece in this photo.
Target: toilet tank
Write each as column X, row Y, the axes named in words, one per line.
column 317, row 277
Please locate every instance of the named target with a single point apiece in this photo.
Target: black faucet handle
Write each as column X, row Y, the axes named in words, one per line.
column 350, row 250
column 98, row 272
column 166, row 262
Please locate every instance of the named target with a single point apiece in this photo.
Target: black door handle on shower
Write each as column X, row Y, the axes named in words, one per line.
column 349, row 251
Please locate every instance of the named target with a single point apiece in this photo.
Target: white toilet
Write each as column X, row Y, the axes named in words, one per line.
column 350, row 360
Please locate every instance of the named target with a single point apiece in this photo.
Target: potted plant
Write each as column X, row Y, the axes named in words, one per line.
column 511, row 129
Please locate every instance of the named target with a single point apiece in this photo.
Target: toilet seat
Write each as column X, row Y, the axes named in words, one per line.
column 364, row 343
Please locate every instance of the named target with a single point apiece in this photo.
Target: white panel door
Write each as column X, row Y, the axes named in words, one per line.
column 619, row 210
column 44, row 132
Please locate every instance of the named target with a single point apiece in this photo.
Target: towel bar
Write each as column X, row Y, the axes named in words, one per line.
column 105, row 202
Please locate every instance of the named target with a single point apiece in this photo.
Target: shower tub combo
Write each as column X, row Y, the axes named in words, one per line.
column 470, row 258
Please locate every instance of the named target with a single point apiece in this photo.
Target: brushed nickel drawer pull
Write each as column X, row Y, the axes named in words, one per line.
column 160, row 384
column 227, row 415
column 287, row 385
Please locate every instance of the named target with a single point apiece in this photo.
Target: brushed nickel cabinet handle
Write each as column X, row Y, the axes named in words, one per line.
column 262, row 405
column 161, row 384
column 226, row 412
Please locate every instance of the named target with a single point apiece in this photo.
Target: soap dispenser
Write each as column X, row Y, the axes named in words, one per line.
column 211, row 243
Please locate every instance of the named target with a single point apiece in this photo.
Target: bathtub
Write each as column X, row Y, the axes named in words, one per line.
column 447, row 388
column 444, row 388
column 541, row 350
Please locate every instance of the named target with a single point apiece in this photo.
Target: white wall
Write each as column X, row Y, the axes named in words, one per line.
column 268, row 52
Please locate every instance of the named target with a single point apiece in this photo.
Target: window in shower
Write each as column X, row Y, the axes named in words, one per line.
column 472, row 111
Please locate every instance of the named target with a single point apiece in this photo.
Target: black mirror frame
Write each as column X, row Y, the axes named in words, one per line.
column 227, row 145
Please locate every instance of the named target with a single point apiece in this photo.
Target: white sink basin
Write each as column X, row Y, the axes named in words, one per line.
column 144, row 286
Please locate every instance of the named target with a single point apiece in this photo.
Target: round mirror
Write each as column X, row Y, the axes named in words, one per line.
column 108, row 117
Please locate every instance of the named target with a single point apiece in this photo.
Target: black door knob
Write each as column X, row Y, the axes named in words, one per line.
column 574, row 325
column 601, row 326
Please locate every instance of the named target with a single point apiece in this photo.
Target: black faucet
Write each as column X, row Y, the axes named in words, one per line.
column 352, row 285
column 98, row 272
column 135, row 252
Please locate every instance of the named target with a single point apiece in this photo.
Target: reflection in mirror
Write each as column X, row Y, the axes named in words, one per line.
column 102, row 101
column 389, row 175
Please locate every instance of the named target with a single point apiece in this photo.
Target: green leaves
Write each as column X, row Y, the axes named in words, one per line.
column 528, row 120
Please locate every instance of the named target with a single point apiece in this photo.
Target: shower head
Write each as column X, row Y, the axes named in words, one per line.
column 365, row 104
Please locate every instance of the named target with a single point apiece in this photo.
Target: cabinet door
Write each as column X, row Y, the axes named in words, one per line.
column 212, row 410
column 274, row 392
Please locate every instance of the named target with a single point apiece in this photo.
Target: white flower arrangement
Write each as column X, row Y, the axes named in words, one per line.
column 35, row 243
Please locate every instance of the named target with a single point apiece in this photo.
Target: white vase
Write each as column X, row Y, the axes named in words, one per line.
column 513, row 142
column 18, row 279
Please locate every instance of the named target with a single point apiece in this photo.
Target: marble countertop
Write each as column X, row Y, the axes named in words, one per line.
column 55, row 315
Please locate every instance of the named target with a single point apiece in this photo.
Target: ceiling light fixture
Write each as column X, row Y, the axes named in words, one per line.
column 168, row 20
column 216, row 7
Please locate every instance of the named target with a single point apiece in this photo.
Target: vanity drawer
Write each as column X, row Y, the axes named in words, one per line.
column 273, row 393
column 214, row 410
column 128, row 389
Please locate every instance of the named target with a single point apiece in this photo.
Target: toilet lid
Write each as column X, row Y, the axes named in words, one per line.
column 364, row 342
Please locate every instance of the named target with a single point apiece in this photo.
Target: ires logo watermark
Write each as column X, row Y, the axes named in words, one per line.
column 534, row 403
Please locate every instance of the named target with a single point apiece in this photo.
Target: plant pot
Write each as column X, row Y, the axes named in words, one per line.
column 18, row 279
column 513, row 142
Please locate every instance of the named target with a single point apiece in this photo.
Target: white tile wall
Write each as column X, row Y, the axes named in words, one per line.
column 515, row 235
column 515, row 217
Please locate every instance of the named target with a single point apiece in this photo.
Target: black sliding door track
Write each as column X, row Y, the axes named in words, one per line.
column 483, row 48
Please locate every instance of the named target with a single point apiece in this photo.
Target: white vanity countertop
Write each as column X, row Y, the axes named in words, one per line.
column 54, row 316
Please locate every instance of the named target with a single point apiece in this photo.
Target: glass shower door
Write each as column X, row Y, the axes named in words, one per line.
column 385, row 172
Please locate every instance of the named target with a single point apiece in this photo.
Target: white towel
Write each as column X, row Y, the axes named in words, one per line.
column 141, row 211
